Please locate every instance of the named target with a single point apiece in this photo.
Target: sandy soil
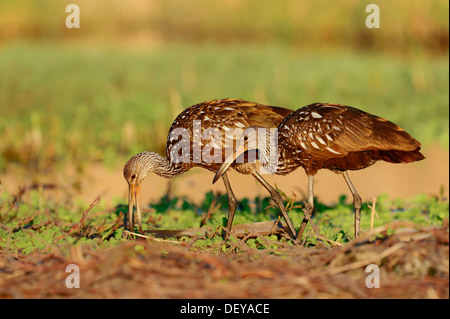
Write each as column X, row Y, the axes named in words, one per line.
column 397, row 180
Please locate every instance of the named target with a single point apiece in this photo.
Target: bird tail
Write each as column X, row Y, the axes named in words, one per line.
column 395, row 156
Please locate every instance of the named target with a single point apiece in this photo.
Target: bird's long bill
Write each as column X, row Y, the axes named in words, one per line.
column 134, row 191
column 238, row 151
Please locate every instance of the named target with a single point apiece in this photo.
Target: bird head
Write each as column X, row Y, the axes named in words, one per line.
column 134, row 172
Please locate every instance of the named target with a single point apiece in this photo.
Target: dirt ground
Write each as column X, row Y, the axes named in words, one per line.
column 413, row 263
column 409, row 264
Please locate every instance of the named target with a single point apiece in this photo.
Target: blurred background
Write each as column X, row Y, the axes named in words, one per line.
column 112, row 87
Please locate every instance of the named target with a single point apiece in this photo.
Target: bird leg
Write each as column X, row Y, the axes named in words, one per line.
column 356, row 203
column 231, row 206
column 309, row 207
column 278, row 201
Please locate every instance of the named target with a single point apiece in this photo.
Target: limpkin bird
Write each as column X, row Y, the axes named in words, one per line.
column 330, row 136
column 202, row 135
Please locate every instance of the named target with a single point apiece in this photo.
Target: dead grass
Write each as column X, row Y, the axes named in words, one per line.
column 414, row 263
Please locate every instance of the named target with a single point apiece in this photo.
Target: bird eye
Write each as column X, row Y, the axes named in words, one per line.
column 245, row 138
column 133, row 176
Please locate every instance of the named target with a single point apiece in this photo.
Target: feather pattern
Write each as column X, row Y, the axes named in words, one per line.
column 214, row 127
column 201, row 136
column 339, row 137
column 334, row 137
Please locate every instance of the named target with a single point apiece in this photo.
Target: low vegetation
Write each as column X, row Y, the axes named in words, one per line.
column 30, row 223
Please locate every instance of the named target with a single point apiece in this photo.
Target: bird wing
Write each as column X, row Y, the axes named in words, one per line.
column 333, row 130
column 216, row 126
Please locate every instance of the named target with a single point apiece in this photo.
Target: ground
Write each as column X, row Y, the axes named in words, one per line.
column 412, row 263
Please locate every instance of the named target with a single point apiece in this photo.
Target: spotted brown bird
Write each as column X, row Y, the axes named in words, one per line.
column 330, row 136
column 201, row 136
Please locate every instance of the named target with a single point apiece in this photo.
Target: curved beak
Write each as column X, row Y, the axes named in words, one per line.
column 238, row 151
column 134, row 194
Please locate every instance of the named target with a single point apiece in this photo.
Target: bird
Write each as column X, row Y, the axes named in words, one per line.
column 201, row 136
column 327, row 136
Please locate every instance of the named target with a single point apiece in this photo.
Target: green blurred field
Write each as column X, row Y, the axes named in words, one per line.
column 406, row 26
column 113, row 87
column 64, row 104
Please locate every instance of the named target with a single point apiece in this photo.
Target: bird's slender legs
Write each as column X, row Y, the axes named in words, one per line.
column 356, row 203
column 278, row 201
column 309, row 209
column 231, row 205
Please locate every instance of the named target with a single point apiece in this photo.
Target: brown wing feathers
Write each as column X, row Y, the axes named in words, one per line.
column 332, row 133
column 336, row 133
column 228, row 116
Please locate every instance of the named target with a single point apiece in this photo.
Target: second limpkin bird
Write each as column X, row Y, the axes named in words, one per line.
column 201, row 136
column 330, row 136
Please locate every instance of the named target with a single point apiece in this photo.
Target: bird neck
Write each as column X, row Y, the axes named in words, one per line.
column 268, row 150
column 273, row 155
column 161, row 166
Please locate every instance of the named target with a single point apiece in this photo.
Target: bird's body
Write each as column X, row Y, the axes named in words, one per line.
column 227, row 117
column 202, row 136
column 338, row 138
